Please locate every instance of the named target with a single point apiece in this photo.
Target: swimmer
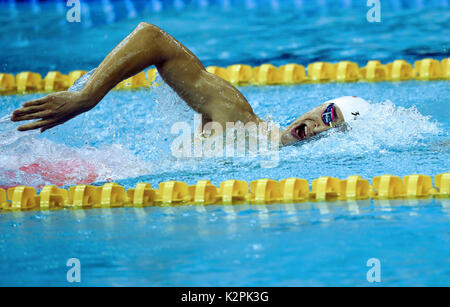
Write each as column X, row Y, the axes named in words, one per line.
column 214, row 98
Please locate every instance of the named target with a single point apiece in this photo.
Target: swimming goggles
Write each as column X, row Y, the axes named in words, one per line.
column 329, row 115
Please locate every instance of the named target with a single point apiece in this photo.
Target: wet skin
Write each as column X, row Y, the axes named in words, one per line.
column 214, row 98
column 310, row 124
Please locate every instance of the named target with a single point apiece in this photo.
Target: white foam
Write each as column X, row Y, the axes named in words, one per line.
column 80, row 82
column 29, row 159
column 144, row 148
column 379, row 127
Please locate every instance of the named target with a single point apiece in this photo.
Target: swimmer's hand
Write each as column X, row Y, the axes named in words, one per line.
column 52, row 110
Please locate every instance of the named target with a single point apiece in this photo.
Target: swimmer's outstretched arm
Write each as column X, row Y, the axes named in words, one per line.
column 147, row 45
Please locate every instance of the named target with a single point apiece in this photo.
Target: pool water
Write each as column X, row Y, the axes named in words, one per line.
column 127, row 138
column 298, row 31
column 305, row 244
column 405, row 132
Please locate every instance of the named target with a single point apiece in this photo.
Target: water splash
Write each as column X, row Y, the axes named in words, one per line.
column 80, row 82
column 129, row 135
column 385, row 128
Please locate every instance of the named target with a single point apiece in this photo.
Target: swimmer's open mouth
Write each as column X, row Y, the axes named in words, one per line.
column 300, row 132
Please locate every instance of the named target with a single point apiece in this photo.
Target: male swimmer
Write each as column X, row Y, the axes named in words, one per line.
column 214, row 98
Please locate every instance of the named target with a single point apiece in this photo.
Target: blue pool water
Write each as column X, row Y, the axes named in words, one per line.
column 298, row 31
column 127, row 139
column 298, row 245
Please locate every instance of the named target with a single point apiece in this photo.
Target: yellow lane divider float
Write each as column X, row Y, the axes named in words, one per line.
column 262, row 191
column 240, row 74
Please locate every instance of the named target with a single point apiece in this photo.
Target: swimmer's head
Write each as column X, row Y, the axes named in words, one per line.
column 331, row 114
column 313, row 122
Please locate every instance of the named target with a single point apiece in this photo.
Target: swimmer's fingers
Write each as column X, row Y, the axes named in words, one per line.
column 35, row 102
column 38, row 124
column 32, row 106
column 30, row 113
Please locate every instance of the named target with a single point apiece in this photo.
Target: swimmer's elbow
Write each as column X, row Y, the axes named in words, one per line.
column 148, row 27
column 144, row 25
column 151, row 32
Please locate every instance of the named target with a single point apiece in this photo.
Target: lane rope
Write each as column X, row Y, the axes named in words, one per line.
column 240, row 74
column 230, row 192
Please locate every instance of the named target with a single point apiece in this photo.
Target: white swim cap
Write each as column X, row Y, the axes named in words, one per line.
column 351, row 105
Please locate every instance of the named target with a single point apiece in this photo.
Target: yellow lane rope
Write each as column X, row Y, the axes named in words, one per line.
column 239, row 74
column 262, row 191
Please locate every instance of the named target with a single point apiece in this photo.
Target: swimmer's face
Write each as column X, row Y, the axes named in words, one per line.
column 311, row 123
